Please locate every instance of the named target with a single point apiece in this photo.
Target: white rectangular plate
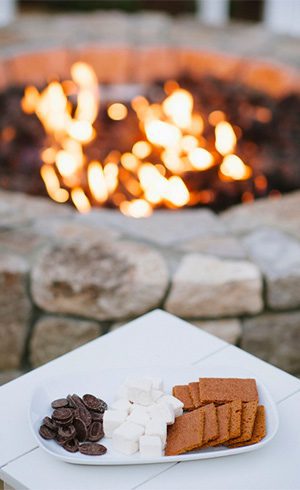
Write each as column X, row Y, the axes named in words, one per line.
column 104, row 384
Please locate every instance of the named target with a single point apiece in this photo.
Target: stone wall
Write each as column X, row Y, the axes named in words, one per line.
column 67, row 278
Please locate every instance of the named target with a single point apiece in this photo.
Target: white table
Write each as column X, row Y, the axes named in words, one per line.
column 158, row 339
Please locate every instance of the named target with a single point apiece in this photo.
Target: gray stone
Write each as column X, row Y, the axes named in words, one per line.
column 205, row 286
column 162, row 227
column 280, row 213
column 150, row 28
column 17, row 208
column 54, row 336
column 278, row 256
column 21, row 241
column 227, row 247
column 15, row 309
column 105, row 280
column 229, row 330
column 274, row 337
column 73, row 229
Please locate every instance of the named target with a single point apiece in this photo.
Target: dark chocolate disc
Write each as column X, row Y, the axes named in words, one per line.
column 71, row 446
column 60, row 403
column 50, row 424
column 95, row 432
column 62, row 414
column 60, row 440
column 78, row 401
column 72, row 404
column 67, row 432
column 81, row 429
column 83, row 414
column 96, row 416
column 93, row 403
column 92, row 449
column 46, row 433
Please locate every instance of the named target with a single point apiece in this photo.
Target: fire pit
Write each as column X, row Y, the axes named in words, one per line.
column 179, row 136
column 139, row 147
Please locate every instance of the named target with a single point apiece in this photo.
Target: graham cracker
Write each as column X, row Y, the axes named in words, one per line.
column 223, row 390
column 248, row 418
column 235, row 428
column 194, row 393
column 211, row 427
column 259, row 429
column 183, row 394
column 223, row 415
column 186, row 433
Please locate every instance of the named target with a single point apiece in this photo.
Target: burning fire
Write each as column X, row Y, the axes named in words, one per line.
column 150, row 174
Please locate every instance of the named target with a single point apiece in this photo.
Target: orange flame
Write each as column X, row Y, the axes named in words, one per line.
column 225, row 138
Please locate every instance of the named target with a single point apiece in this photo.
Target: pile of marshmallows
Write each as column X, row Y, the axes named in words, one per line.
column 137, row 420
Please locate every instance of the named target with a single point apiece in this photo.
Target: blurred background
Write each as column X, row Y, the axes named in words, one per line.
column 279, row 15
column 238, row 62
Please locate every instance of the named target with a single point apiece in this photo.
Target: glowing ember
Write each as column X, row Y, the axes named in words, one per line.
column 201, row 159
column 117, row 111
column 80, row 200
column 137, row 208
column 173, row 142
column 234, row 168
column 97, row 182
column 225, row 138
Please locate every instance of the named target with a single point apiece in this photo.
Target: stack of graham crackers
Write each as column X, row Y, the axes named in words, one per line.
column 217, row 411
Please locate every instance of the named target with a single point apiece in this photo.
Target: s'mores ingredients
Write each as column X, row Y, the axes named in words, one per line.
column 259, row 430
column 156, row 395
column 139, row 415
column 223, row 390
column 235, row 419
column 194, row 393
column 248, row 418
column 126, row 437
column 162, row 411
column 122, row 404
column 183, row 394
column 150, row 446
column 173, row 403
column 186, row 433
column 76, row 424
column 142, row 403
column 211, row 427
column 112, row 419
column 223, row 415
column 157, row 427
column 140, row 391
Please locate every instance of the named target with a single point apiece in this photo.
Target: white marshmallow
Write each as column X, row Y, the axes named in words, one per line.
column 173, row 403
column 123, row 389
column 157, row 427
column 121, row 404
column 157, row 383
column 139, row 415
column 156, row 394
column 140, row 391
column 150, row 446
column 126, row 438
column 112, row 419
column 162, row 411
